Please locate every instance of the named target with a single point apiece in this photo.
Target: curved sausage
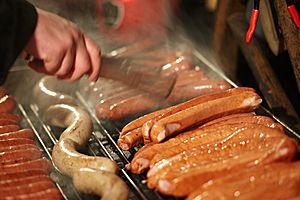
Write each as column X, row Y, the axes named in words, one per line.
column 23, row 133
column 201, row 113
column 79, row 129
column 69, row 161
column 7, row 104
column 9, row 128
column 105, row 184
column 49, row 91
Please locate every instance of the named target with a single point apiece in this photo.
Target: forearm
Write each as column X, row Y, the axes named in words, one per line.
column 17, row 23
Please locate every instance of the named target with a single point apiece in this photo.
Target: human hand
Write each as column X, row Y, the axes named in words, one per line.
column 64, row 50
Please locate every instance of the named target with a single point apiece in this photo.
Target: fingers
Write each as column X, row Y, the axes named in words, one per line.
column 95, row 56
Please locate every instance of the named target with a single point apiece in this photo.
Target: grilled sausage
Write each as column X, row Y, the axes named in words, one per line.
column 68, row 160
column 79, row 129
column 9, row 128
column 49, row 91
column 17, row 147
column 214, row 132
column 273, row 181
column 11, row 116
column 105, row 184
column 42, row 164
column 22, row 174
column 243, row 102
column 117, row 108
column 130, row 139
column 7, row 143
column 193, row 102
column 17, row 156
column 197, row 88
column 47, row 194
column 23, row 133
column 182, row 63
column 7, row 104
column 14, row 191
column 23, row 181
column 184, row 182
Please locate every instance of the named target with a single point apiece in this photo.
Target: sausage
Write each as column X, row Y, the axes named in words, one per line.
column 78, row 122
column 243, row 130
column 79, row 129
column 261, row 182
column 7, row 104
column 195, row 101
column 10, row 116
column 49, row 91
column 17, row 147
column 23, row 133
column 186, row 181
column 68, row 160
column 7, row 143
column 170, row 125
column 23, row 181
column 105, row 184
column 117, row 108
column 214, row 132
column 130, row 139
column 182, row 63
column 9, row 128
column 197, row 88
column 17, row 156
column 47, row 194
column 42, row 164
column 34, row 187
column 143, row 119
column 22, row 174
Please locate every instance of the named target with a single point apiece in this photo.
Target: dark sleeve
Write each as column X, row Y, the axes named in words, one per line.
column 18, row 19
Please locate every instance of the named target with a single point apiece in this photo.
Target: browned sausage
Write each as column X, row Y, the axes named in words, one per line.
column 23, row 181
column 240, row 130
column 130, row 139
column 7, row 143
column 182, row 63
column 23, row 133
column 11, row 116
column 214, row 132
column 22, row 174
column 243, row 102
column 197, row 88
column 17, row 147
column 42, row 164
column 195, row 101
column 273, row 181
column 17, row 156
column 47, row 194
column 9, row 128
column 34, row 187
column 182, row 182
column 118, row 108
column 7, row 103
